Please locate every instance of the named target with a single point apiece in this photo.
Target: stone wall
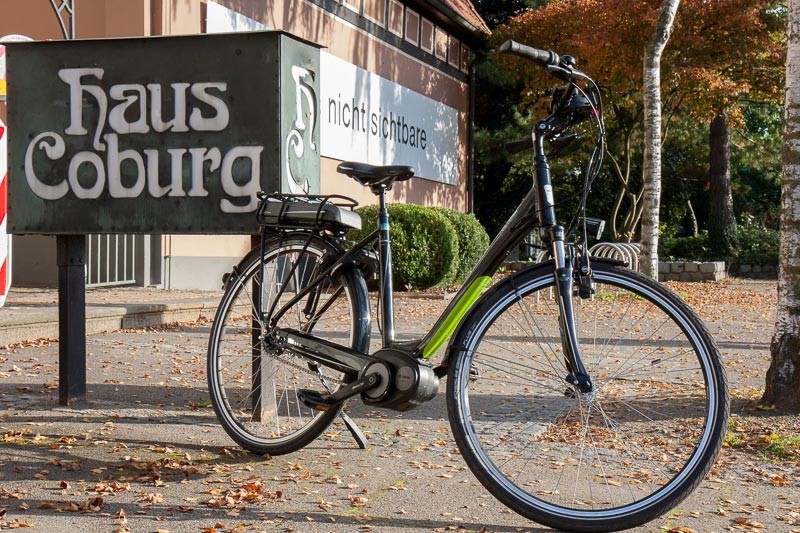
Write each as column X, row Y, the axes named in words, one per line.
column 756, row 271
column 691, row 271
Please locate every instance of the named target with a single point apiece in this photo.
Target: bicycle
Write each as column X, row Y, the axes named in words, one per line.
column 582, row 395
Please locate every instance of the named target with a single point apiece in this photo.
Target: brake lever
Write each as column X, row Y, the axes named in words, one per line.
column 567, row 74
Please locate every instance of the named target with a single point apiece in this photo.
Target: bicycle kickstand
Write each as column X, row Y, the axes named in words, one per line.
column 355, row 431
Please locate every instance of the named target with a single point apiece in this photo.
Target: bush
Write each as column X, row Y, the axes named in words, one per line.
column 694, row 248
column 757, row 245
column 472, row 241
column 424, row 244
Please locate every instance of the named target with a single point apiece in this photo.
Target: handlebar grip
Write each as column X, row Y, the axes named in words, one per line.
column 542, row 57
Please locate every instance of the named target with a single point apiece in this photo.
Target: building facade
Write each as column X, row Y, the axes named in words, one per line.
column 394, row 89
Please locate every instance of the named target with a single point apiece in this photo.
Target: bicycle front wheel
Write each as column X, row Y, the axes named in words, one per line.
column 608, row 460
column 254, row 384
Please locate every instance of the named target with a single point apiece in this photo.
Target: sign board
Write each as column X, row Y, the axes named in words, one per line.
column 159, row 135
column 365, row 117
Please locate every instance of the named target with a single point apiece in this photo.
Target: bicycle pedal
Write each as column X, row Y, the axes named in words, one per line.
column 314, row 400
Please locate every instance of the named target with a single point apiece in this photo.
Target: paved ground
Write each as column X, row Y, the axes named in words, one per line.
column 146, row 454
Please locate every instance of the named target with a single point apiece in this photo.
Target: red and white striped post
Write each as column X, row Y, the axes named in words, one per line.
column 5, row 239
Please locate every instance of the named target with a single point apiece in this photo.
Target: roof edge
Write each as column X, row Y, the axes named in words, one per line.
column 482, row 32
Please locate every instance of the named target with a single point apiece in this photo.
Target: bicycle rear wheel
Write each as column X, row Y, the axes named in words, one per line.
column 254, row 386
column 605, row 461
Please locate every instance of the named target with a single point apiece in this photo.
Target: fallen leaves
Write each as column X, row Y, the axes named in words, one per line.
column 91, row 505
column 250, row 492
column 358, row 501
column 747, row 522
column 149, row 498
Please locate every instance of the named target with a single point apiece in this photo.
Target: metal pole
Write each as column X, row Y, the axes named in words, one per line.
column 71, row 258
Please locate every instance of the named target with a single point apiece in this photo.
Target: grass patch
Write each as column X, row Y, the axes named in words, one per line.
column 782, row 446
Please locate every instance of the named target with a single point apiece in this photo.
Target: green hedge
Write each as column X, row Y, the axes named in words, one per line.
column 694, row 248
column 424, row 244
column 472, row 241
column 757, row 246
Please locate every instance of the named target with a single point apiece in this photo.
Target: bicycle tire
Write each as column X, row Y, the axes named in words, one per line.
column 632, row 450
column 243, row 379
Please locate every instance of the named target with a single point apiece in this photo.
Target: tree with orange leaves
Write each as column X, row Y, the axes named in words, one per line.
column 720, row 51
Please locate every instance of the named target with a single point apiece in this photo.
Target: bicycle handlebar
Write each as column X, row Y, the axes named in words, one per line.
column 546, row 58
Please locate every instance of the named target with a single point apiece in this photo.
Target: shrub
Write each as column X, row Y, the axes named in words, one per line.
column 757, row 245
column 424, row 244
column 472, row 241
column 694, row 248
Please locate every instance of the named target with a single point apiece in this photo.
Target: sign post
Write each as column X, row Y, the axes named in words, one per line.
column 131, row 137
column 71, row 258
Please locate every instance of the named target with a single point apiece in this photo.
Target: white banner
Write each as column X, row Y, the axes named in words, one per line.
column 370, row 119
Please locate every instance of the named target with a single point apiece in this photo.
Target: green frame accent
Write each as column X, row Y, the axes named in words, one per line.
column 454, row 317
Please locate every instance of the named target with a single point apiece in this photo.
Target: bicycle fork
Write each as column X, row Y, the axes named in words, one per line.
column 577, row 374
column 564, row 276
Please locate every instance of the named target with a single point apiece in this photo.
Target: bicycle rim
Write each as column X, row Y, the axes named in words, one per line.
column 255, row 387
column 608, row 460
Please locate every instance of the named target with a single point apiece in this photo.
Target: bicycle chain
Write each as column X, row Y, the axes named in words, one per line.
column 318, row 374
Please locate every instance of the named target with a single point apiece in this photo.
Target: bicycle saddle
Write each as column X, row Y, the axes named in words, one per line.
column 374, row 176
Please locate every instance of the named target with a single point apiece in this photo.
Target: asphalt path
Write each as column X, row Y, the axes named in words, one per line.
column 145, row 452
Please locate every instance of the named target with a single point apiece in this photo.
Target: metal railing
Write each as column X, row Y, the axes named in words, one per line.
column 110, row 260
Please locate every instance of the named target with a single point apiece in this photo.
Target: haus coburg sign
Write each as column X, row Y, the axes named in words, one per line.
column 159, row 135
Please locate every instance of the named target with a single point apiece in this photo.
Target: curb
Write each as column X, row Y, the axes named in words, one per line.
column 42, row 323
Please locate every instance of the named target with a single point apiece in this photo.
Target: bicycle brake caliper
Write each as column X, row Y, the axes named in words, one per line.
column 585, row 283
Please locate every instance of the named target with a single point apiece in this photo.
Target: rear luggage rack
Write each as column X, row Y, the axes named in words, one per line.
column 308, row 211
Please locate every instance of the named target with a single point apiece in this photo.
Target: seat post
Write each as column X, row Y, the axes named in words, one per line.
column 385, row 261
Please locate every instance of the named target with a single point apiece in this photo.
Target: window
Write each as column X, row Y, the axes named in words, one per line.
column 412, row 26
column 441, row 44
column 375, row 11
column 426, row 35
column 454, row 52
column 355, row 5
column 396, row 17
column 465, row 53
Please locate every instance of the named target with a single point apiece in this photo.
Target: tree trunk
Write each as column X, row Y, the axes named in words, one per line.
column 689, row 209
column 648, row 261
column 721, row 221
column 783, row 376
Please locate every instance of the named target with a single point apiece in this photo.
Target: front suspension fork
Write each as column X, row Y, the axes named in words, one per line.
column 563, row 255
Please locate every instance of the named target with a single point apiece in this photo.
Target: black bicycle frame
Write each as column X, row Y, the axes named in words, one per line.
column 537, row 210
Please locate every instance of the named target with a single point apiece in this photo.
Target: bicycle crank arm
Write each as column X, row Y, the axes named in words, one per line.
column 315, row 400
column 324, row 352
